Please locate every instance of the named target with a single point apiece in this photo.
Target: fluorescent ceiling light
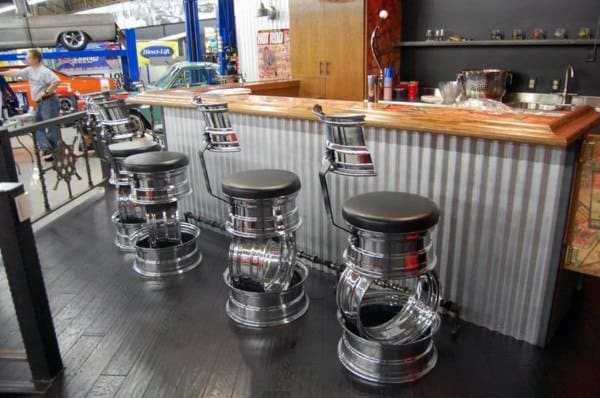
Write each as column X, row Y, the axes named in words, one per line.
column 12, row 8
column 176, row 36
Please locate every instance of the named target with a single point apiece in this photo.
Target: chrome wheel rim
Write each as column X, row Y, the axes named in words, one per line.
column 74, row 38
column 66, row 105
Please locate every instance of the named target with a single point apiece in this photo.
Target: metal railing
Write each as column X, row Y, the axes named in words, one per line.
column 64, row 156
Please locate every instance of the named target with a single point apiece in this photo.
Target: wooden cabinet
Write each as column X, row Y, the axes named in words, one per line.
column 327, row 42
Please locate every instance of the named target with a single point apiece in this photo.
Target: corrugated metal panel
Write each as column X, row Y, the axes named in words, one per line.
column 246, row 26
column 499, row 204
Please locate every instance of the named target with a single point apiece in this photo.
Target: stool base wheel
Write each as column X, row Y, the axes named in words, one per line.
column 169, row 260
column 259, row 309
column 125, row 230
column 380, row 363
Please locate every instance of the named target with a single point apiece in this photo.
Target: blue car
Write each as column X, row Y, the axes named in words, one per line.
column 181, row 74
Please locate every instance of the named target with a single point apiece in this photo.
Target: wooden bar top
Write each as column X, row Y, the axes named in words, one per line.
column 546, row 128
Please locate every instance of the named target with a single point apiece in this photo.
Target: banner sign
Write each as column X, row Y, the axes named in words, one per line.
column 157, row 52
column 92, row 64
column 274, row 54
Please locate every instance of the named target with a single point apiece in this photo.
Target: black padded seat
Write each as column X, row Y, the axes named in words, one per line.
column 261, row 184
column 124, row 149
column 153, row 162
column 391, row 212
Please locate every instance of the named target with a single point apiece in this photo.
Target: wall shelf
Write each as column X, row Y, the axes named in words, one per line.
column 497, row 43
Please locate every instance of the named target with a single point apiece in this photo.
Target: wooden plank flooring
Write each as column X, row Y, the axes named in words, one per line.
column 123, row 336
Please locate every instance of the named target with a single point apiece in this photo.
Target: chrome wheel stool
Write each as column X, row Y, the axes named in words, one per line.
column 388, row 295
column 165, row 245
column 265, row 280
column 129, row 217
column 115, row 125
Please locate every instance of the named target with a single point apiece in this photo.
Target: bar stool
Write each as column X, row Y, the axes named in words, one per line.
column 115, row 125
column 165, row 245
column 129, row 217
column 388, row 295
column 266, row 282
column 92, row 123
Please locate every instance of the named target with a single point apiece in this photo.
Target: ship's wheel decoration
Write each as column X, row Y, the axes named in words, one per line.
column 64, row 162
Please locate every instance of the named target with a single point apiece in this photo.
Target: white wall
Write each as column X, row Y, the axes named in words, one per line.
column 247, row 24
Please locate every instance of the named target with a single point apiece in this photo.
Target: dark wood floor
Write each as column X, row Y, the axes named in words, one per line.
column 124, row 336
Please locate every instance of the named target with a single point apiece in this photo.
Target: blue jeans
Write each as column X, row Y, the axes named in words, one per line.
column 47, row 139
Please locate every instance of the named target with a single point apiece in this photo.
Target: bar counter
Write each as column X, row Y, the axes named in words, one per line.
column 558, row 128
column 502, row 183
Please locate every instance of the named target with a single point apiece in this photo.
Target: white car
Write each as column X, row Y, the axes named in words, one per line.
column 72, row 31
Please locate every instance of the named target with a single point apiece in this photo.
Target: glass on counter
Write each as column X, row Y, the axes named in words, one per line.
column 413, row 90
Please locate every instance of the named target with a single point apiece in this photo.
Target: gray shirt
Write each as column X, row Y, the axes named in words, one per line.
column 39, row 79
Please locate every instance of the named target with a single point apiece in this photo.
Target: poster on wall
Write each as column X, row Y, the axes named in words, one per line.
column 140, row 13
column 274, row 54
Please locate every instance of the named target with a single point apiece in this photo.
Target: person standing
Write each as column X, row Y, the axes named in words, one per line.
column 42, row 84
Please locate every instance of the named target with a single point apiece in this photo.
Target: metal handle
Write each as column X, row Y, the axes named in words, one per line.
column 374, row 51
column 327, row 68
column 325, row 190
column 205, row 172
column 320, row 67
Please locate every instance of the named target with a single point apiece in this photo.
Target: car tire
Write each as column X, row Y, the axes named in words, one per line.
column 66, row 105
column 140, row 124
column 75, row 40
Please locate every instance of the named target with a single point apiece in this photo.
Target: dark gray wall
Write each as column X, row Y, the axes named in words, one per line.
column 476, row 18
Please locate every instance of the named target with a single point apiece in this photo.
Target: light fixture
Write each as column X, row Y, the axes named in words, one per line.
column 12, row 7
column 270, row 12
column 383, row 14
column 262, row 10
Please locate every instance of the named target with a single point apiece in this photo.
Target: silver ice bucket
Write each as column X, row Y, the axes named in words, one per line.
column 485, row 83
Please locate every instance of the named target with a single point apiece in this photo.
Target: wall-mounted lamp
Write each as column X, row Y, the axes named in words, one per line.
column 383, row 14
column 270, row 12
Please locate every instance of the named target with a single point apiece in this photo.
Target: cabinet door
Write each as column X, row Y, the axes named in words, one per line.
column 345, row 50
column 307, row 25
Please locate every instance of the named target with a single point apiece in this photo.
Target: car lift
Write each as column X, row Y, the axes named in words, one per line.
column 226, row 32
column 127, row 53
